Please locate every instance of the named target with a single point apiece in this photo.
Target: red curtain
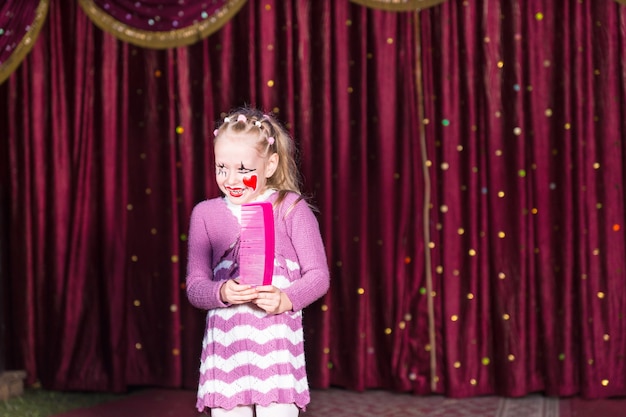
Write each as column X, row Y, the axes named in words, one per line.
column 527, row 112
column 503, row 119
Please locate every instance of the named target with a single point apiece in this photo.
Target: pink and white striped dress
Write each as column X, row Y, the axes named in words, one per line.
column 249, row 356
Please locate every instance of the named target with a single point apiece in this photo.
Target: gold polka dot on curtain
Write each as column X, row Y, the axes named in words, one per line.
column 161, row 39
column 621, row 1
column 398, row 5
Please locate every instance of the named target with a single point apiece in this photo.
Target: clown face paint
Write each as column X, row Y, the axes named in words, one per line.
column 250, row 182
column 240, row 172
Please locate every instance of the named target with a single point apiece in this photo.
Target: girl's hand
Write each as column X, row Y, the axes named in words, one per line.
column 233, row 293
column 272, row 300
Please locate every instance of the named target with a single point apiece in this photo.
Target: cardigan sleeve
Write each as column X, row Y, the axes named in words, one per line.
column 307, row 242
column 202, row 291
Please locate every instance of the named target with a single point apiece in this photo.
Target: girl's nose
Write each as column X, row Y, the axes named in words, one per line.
column 232, row 177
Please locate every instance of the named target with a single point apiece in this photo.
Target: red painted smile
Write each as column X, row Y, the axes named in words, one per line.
column 235, row 192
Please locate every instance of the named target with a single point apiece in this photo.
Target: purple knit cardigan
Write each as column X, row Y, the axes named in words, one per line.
column 248, row 356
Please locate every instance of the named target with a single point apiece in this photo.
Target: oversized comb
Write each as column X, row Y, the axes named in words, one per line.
column 256, row 250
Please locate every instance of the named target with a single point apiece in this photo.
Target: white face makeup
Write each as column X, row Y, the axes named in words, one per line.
column 240, row 172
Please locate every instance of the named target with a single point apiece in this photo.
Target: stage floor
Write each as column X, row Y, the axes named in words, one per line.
column 341, row 403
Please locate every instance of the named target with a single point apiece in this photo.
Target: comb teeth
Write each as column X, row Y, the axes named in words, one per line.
column 256, row 250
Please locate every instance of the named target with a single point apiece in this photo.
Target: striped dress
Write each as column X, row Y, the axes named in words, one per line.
column 249, row 356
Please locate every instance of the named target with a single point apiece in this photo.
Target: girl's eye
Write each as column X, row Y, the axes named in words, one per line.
column 243, row 170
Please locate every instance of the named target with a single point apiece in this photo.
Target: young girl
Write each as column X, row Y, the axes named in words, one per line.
column 253, row 353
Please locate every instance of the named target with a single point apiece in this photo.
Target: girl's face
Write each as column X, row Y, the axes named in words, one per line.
column 240, row 172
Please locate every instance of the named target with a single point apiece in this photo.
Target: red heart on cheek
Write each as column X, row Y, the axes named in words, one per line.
column 250, row 182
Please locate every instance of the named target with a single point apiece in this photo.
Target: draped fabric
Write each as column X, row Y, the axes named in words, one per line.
column 398, row 5
column 20, row 23
column 466, row 161
column 160, row 24
column 527, row 120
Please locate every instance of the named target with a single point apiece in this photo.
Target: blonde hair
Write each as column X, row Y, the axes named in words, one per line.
column 272, row 137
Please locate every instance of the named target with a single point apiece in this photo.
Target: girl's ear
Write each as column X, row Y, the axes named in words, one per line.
column 272, row 165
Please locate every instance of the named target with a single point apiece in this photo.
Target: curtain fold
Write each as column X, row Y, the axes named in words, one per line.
column 524, row 116
column 505, row 120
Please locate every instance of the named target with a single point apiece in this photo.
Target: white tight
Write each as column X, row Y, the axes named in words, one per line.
column 272, row 410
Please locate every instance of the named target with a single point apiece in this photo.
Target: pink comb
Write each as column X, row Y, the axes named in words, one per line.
column 256, row 251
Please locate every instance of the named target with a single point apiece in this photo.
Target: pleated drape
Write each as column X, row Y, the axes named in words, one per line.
column 466, row 161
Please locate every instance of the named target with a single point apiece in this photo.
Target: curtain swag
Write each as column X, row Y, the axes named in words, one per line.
column 407, row 5
column 399, row 5
column 173, row 26
column 13, row 48
column 108, row 18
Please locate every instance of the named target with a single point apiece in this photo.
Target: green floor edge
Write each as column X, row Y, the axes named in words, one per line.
column 37, row 402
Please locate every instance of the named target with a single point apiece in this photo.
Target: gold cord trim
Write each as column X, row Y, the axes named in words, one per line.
column 398, row 5
column 426, row 208
column 26, row 44
column 163, row 39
